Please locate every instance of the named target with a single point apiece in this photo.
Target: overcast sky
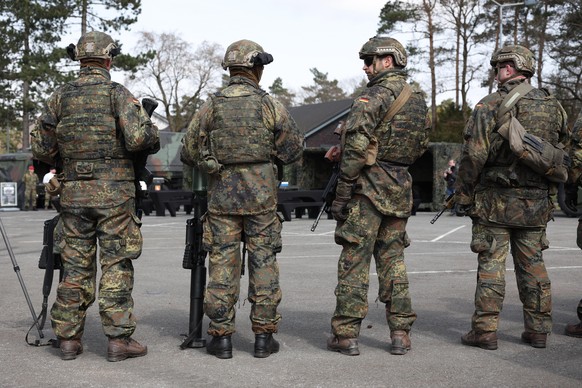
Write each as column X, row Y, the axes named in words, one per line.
column 300, row 34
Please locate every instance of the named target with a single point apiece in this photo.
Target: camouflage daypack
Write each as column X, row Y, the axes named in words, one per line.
column 551, row 161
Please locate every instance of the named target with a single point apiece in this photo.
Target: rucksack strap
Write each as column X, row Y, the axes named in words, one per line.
column 512, row 98
column 399, row 102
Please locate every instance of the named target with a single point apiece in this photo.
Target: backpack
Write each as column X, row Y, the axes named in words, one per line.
column 551, row 161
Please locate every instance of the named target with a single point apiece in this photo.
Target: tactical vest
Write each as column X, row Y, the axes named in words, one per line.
column 88, row 141
column 238, row 134
column 539, row 114
column 400, row 139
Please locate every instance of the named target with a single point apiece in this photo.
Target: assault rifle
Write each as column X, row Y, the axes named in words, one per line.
column 449, row 204
column 140, row 160
column 328, row 194
column 194, row 257
column 334, row 154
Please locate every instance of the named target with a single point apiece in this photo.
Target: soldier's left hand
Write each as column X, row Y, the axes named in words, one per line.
column 339, row 210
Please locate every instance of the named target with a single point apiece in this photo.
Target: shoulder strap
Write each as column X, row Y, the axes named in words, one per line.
column 513, row 97
column 399, row 102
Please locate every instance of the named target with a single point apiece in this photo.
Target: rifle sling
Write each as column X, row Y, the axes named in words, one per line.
column 399, row 102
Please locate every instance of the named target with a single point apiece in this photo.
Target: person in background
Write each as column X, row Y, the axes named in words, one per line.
column 47, row 197
column 30, row 181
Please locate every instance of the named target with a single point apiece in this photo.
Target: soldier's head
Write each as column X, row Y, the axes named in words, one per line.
column 94, row 47
column 513, row 61
column 247, row 58
column 381, row 53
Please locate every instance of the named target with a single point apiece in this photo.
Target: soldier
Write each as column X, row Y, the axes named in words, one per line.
column 574, row 177
column 47, row 195
column 237, row 138
column 509, row 203
column 94, row 125
column 374, row 197
column 30, row 181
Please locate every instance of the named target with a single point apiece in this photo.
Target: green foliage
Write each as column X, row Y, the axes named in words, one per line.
column 322, row 90
column 450, row 123
column 281, row 93
column 395, row 12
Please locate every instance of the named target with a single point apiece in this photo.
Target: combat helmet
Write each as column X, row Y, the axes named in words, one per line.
column 245, row 53
column 521, row 56
column 382, row 45
column 93, row 44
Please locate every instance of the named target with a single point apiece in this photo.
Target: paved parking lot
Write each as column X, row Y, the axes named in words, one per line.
column 442, row 277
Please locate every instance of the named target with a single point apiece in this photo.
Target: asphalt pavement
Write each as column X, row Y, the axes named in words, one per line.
column 442, row 284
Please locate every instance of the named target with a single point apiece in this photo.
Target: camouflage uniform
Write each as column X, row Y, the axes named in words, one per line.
column 236, row 137
column 94, row 125
column 380, row 203
column 30, row 181
column 574, row 177
column 509, row 203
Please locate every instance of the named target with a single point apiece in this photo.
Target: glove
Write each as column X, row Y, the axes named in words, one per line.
column 338, row 208
column 462, row 210
column 343, row 193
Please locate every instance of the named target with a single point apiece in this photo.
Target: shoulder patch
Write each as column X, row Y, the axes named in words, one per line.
column 363, row 99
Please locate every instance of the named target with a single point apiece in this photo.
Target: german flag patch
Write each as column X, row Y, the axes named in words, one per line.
column 363, row 99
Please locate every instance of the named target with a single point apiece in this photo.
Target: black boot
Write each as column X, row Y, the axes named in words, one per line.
column 265, row 345
column 220, row 347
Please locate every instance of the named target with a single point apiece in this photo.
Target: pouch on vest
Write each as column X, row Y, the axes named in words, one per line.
column 541, row 156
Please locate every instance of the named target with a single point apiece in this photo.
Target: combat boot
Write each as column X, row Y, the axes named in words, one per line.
column 124, row 347
column 485, row 340
column 70, row 349
column 574, row 330
column 220, row 347
column 537, row 340
column 265, row 345
column 347, row 346
column 400, row 342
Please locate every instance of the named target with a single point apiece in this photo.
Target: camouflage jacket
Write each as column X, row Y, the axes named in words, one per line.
column 401, row 141
column 576, row 153
column 502, row 190
column 95, row 175
column 245, row 188
column 30, row 181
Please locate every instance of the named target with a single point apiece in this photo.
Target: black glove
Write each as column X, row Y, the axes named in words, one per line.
column 462, row 210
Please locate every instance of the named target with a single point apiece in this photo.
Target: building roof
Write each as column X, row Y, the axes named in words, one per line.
column 313, row 117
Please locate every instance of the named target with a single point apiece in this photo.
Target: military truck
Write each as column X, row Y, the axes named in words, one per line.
column 13, row 166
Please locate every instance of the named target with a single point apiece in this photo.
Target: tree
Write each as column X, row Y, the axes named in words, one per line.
column 177, row 76
column 464, row 16
column 30, row 30
column 322, row 90
column 281, row 93
column 92, row 14
column 451, row 123
column 565, row 50
column 423, row 14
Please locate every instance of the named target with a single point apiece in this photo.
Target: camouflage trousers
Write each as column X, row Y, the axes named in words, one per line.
column 117, row 232
column 364, row 234
column 30, row 198
column 222, row 238
column 492, row 245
